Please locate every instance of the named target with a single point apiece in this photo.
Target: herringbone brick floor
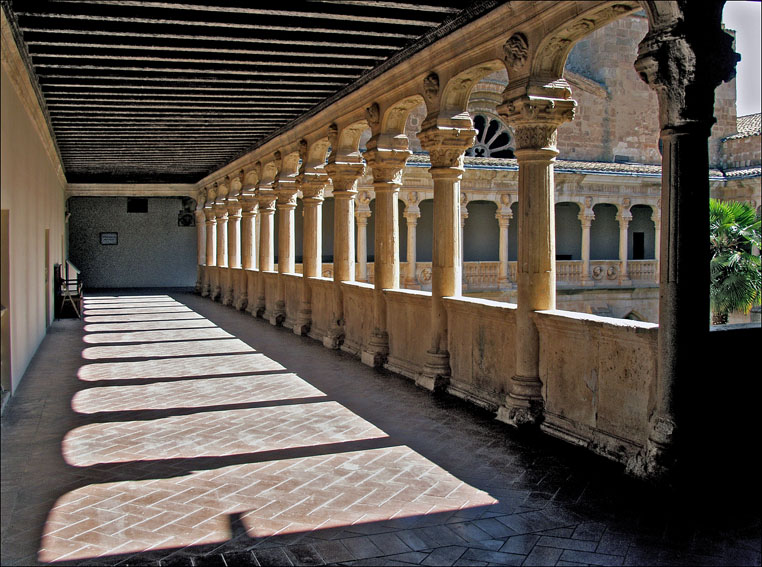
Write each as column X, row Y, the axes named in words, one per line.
column 165, row 429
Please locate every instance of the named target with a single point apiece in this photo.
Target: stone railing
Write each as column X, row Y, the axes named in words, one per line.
column 645, row 271
column 598, row 373
column 477, row 276
column 569, row 271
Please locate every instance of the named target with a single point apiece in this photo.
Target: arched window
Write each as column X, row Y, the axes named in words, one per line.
column 493, row 138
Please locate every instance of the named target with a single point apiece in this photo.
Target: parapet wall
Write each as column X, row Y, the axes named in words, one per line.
column 598, row 373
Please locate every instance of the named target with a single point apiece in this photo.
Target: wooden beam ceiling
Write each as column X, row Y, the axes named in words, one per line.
column 149, row 92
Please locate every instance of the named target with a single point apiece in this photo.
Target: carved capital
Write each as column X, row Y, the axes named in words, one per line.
column 344, row 177
column 684, row 63
column 221, row 211
column 535, row 120
column 387, row 164
column 313, row 189
column 266, row 199
column 447, row 146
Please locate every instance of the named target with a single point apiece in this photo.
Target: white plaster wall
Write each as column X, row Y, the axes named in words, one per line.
column 152, row 250
column 34, row 196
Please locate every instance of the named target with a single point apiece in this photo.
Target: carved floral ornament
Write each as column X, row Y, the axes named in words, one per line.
column 373, row 115
column 431, row 87
column 516, row 51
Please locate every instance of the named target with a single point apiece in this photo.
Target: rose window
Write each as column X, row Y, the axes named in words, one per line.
column 493, row 139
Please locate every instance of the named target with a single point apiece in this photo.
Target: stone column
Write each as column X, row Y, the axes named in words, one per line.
column 266, row 199
column 683, row 64
column 412, row 214
column 386, row 164
column 211, row 247
column 344, row 176
column 503, row 221
column 234, row 247
column 221, row 212
column 313, row 191
column 286, row 203
column 361, row 216
column 461, row 255
column 249, row 210
column 656, row 217
column 446, row 147
column 200, row 249
column 624, row 217
column 586, row 218
column 535, row 120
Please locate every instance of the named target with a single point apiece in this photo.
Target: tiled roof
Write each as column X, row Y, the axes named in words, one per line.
column 749, row 125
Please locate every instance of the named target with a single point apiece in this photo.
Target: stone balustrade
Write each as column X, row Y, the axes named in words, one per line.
column 584, row 396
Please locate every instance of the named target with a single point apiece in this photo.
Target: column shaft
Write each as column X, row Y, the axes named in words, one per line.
column 535, row 120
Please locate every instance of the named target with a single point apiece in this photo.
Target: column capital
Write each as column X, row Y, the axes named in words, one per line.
column 221, row 211
column 313, row 188
column 266, row 199
column 412, row 215
column 362, row 216
column 249, row 206
column 683, row 63
column 503, row 219
column 446, row 147
column 536, row 119
column 234, row 207
column 210, row 214
column 285, row 192
column 387, row 165
column 344, row 176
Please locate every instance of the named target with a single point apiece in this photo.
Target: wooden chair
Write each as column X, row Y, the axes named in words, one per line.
column 70, row 288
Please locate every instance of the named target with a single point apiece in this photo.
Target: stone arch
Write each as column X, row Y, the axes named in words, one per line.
column 347, row 143
column 455, row 94
column 552, row 51
column 568, row 231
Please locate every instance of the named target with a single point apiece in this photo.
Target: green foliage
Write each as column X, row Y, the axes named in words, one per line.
column 735, row 276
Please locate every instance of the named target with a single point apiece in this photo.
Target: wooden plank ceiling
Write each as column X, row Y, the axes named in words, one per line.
column 147, row 92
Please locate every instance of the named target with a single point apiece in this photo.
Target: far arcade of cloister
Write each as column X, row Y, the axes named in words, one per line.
column 605, row 383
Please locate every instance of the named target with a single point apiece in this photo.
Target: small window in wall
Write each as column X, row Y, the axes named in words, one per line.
column 137, row 205
column 638, row 245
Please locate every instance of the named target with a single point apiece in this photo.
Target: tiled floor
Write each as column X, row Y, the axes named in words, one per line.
column 169, row 430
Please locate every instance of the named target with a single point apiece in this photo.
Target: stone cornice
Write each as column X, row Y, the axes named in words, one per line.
column 131, row 190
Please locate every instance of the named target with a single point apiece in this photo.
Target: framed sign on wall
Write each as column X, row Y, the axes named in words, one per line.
column 109, row 238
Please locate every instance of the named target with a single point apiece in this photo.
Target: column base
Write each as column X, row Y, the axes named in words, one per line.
column 205, row 290
column 436, row 372
column 626, row 282
column 279, row 313
column 524, row 405
column 334, row 338
column 215, row 293
column 242, row 303
column 659, row 458
column 589, row 282
column 411, row 284
column 521, row 416
column 378, row 350
column 303, row 322
column 227, row 299
column 259, row 308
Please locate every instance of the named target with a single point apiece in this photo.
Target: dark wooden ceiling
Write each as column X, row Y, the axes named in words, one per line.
column 146, row 92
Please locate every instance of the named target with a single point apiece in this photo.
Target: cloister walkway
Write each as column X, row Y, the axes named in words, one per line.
column 165, row 429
